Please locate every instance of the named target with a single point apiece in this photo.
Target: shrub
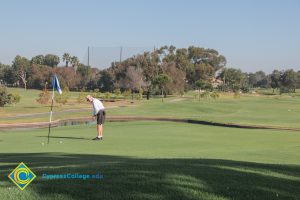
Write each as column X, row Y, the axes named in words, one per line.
column 139, row 95
column 127, row 93
column 81, row 97
column 107, row 95
column 14, row 98
column 64, row 97
column 44, row 97
column 4, row 99
column 117, row 91
column 236, row 95
column 214, row 95
column 204, row 95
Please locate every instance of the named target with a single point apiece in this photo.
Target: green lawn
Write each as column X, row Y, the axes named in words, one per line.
column 248, row 109
column 153, row 160
column 274, row 110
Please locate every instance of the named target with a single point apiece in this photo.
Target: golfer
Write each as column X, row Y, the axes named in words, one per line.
column 99, row 114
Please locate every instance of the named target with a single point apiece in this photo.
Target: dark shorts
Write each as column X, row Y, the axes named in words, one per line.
column 101, row 117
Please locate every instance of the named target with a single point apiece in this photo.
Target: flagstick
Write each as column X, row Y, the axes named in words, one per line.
column 50, row 120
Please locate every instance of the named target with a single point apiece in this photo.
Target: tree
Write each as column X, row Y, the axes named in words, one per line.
column 52, row 60
column 288, row 81
column 66, row 58
column 275, row 79
column 177, row 76
column 21, row 66
column 200, row 84
column 38, row 60
column 4, row 79
column 75, row 62
column 86, row 74
column 233, row 78
column 133, row 79
column 203, row 85
column 39, row 75
column 106, row 81
column 207, row 56
column 9, row 76
column 68, row 78
column 161, row 80
column 261, row 80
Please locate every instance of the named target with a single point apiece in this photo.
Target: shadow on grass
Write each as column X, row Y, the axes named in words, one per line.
column 61, row 137
column 135, row 178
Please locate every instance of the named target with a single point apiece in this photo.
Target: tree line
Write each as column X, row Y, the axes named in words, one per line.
column 165, row 70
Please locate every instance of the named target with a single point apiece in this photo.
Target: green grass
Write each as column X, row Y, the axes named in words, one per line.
column 274, row 110
column 248, row 109
column 153, row 160
column 29, row 106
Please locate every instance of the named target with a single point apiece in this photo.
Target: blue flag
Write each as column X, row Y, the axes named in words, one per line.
column 56, row 84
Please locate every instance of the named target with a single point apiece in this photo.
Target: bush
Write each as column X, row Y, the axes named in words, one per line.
column 117, row 91
column 81, row 97
column 127, row 93
column 44, row 97
column 4, row 99
column 107, row 95
column 236, row 88
column 14, row 98
column 64, row 97
column 245, row 89
column 223, row 88
column 204, row 95
column 214, row 95
column 285, row 90
column 236, row 95
column 139, row 95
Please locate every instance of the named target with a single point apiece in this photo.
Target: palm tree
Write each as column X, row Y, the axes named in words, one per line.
column 75, row 62
column 66, row 58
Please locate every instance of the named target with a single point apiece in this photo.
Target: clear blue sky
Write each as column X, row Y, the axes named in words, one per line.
column 253, row 35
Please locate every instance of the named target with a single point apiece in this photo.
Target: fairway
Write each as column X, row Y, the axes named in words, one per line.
column 153, row 160
column 264, row 110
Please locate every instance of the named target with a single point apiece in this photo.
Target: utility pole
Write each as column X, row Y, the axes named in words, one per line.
column 121, row 51
column 88, row 56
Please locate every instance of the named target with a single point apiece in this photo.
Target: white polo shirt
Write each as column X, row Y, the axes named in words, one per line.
column 97, row 106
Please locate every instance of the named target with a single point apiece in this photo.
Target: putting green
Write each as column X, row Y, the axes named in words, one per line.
column 153, row 160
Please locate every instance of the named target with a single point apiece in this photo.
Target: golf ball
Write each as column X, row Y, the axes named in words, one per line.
column 60, row 142
column 43, row 144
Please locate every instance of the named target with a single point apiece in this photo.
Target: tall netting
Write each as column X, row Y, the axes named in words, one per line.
column 102, row 57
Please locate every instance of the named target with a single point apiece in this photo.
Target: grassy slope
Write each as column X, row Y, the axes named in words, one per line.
column 28, row 105
column 152, row 160
column 259, row 110
column 248, row 109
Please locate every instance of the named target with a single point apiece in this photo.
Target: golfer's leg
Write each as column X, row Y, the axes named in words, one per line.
column 99, row 128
